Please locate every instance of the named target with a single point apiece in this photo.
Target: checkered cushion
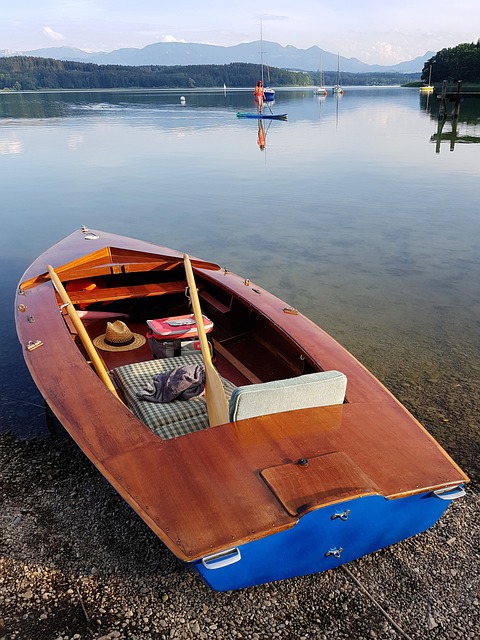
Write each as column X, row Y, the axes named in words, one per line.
column 168, row 419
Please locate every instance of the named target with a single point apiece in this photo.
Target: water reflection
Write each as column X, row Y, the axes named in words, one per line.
column 262, row 136
column 464, row 136
column 356, row 225
column 337, row 97
column 460, row 117
column 10, row 146
column 87, row 104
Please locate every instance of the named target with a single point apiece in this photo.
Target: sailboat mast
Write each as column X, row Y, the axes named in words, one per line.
column 261, row 50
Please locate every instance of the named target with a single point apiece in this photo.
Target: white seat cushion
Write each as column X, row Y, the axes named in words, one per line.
column 311, row 390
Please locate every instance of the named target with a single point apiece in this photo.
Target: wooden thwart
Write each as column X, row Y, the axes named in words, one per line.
column 251, row 377
column 125, row 293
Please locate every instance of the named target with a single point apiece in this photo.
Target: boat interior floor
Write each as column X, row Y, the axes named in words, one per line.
column 224, row 363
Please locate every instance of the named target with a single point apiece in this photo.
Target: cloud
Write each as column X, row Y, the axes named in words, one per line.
column 169, row 38
column 52, row 35
column 386, row 50
column 398, row 48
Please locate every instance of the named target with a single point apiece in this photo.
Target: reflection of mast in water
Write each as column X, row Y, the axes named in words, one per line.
column 320, row 99
column 338, row 97
column 425, row 100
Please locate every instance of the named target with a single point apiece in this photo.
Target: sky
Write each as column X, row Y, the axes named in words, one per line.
column 374, row 31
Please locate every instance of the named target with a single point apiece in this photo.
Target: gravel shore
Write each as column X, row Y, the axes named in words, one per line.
column 76, row 562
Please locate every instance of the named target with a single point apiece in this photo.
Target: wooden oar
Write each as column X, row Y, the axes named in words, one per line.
column 217, row 404
column 82, row 332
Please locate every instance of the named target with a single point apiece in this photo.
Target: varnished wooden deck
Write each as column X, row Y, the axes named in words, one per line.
column 216, row 488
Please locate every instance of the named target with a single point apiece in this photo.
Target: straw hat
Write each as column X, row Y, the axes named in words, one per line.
column 118, row 337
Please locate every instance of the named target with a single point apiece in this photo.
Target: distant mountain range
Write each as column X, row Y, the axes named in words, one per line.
column 179, row 53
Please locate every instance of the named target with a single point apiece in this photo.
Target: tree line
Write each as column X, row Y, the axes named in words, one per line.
column 33, row 73
column 456, row 63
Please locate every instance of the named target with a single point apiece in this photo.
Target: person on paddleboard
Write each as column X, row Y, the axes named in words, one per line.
column 259, row 96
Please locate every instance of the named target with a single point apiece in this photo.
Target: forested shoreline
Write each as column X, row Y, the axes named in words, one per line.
column 453, row 64
column 25, row 73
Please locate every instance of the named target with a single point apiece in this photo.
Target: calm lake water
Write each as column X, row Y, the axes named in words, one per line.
column 352, row 213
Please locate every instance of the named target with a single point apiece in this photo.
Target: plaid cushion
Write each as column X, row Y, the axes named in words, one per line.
column 168, row 419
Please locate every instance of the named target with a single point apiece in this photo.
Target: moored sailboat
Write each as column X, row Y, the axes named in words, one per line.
column 428, row 88
column 337, row 87
column 321, row 90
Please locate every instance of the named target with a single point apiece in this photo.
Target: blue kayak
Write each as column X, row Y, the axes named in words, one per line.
column 262, row 116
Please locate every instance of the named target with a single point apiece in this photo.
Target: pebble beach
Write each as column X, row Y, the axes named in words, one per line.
column 77, row 563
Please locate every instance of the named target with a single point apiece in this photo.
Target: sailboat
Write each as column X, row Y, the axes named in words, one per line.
column 268, row 92
column 428, row 88
column 295, row 461
column 337, row 88
column 320, row 90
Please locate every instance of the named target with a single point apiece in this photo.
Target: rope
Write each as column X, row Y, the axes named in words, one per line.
column 379, row 607
column 83, row 606
column 18, row 401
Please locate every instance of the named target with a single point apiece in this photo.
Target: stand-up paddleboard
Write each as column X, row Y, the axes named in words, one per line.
column 262, row 116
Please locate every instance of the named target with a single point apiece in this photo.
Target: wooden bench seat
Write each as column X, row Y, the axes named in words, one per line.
column 121, row 293
column 216, row 304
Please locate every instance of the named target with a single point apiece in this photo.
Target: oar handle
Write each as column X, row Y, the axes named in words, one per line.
column 82, row 332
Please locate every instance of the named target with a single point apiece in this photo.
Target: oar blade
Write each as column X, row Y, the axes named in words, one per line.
column 217, row 404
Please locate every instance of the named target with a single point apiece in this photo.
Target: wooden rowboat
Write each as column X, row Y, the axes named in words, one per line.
column 286, row 475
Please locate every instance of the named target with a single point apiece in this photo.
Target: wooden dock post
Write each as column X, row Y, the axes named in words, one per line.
column 442, row 108
column 457, row 100
column 456, row 97
column 450, row 96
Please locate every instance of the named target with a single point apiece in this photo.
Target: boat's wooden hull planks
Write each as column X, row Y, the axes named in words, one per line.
column 265, row 498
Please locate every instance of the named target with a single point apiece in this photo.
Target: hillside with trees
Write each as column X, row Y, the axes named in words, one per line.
column 33, row 73
column 30, row 73
column 456, row 63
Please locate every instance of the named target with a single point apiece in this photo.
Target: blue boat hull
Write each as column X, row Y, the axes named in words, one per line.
column 261, row 116
column 323, row 539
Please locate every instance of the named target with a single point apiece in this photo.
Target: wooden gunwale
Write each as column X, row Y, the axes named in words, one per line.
column 203, row 502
